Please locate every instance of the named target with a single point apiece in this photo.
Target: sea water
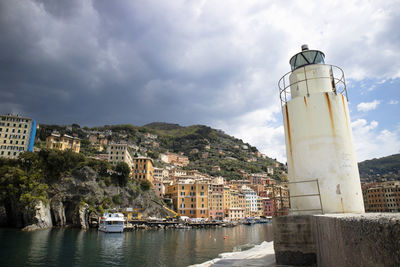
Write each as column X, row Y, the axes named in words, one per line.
column 171, row 247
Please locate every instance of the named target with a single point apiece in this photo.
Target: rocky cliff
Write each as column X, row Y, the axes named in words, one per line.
column 76, row 200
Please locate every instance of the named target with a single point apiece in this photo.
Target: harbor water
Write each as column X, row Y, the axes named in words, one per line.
column 172, row 247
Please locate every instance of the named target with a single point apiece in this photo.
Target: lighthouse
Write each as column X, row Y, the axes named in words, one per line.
column 322, row 166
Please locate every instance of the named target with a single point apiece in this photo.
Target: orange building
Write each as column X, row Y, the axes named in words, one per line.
column 382, row 197
column 143, row 169
column 190, row 198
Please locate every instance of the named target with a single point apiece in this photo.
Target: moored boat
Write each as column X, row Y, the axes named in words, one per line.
column 112, row 223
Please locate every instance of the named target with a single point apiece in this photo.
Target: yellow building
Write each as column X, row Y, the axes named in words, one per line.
column 17, row 135
column 143, row 169
column 236, row 210
column 63, row 142
column 119, row 153
column 190, row 198
column 260, row 207
column 132, row 213
column 227, row 197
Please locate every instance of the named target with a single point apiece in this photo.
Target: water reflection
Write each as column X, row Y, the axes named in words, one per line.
column 73, row 247
column 38, row 246
column 112, row 248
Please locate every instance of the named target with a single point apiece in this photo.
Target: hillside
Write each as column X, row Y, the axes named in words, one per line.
column 205, row 147
column 386, row 168
column 62, row 188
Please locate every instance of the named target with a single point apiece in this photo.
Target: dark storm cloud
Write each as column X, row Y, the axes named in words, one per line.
column 209, row 62
column 114, row 62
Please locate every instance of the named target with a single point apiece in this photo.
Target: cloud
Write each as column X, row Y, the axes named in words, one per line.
column 259, row 128
column 393, row 102
column 370, row 142
column 367, row 106
column 188, row 62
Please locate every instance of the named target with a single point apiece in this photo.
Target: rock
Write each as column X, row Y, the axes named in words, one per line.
column 37, row 218
column 85, row 174
column 83, row 211
column 3, row 216
column 93, row 220
column 57, row 212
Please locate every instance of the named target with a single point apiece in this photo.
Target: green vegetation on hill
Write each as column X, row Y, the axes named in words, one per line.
column 205, row 147
column 29, row 177
column 382, row 168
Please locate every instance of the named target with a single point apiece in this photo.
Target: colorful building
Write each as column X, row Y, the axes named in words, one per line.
column 382, row 197
column 215, row 202
column 161, row 174
column 63, row 142
column 251, row 201
column 119, row 153
column 143, row 169
column 175, row 159
column 268, row 207
column 159, row 188
column 190, row 198
column 17, row 135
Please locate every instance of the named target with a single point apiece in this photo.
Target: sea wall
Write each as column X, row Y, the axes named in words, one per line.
column 294, row 241
column 370, row 239
column 358, row 239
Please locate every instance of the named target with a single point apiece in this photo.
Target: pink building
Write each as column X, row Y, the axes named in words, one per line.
column 159, row 188
column 268, row 207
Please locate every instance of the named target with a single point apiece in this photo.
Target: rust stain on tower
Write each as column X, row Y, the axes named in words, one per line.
column 288, row 131
column 345, row 113
column 328, row 101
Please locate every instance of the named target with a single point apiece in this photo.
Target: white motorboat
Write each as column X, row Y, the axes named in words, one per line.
column 112, row 223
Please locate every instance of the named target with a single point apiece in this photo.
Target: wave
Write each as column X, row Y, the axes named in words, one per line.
column 259, row 255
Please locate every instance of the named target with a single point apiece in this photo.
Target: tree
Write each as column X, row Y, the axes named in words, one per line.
column 122, row 173
column 145, row 185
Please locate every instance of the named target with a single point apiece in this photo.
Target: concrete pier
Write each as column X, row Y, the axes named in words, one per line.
column 371, row 239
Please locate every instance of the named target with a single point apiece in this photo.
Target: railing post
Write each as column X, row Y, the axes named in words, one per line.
column 319, row 193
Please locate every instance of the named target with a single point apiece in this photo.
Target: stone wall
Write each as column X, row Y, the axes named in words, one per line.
column 294, row 241
column 371, row 239
column 358, row 239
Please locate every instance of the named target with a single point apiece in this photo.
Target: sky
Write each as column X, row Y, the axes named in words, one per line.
column 215, row 63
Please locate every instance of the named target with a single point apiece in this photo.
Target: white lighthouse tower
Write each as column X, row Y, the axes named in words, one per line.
column 322, row 166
